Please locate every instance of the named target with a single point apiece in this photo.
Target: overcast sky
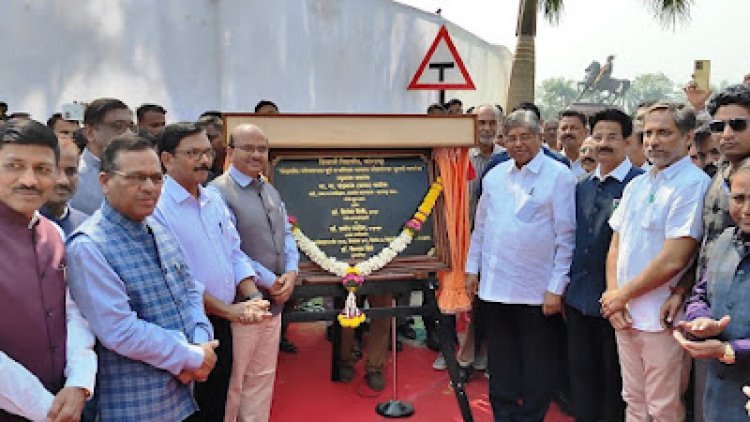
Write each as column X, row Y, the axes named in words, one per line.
column 592, row 29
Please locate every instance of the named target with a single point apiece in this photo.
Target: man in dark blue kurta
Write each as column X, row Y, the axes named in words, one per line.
column 595, row 381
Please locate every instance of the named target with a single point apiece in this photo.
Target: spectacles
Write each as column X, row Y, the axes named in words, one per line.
column 250, row 148
column 119, row 126
column 196, row 154
column 738, row 124
column 141, row 178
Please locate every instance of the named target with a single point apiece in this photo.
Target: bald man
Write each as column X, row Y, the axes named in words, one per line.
column 266, row 237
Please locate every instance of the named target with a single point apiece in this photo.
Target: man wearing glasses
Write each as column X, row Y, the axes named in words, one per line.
column 522, row 245
column 728, row 109
column 203, row 226
column 130, row 278
column 104, row 119
column 265, row 236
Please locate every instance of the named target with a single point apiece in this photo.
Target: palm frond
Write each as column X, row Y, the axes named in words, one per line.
column 552, row 10
column 670, row 12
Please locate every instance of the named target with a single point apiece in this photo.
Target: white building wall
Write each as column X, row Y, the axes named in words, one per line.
column 193, row 55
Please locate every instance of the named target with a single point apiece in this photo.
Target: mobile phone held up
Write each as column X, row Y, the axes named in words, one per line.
column 702, row 75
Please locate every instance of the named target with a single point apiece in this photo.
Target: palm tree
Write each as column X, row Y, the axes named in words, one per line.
column 521, row 87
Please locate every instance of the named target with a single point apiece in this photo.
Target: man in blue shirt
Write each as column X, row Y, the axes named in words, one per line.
column 130, row 279
column 594, row 368
column 202, row 224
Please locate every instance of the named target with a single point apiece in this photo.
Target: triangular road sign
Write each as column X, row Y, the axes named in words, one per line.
column 442, row 67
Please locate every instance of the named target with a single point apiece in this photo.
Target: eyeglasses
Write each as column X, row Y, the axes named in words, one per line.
column 141, row 178
column 738, row 124
column 250, row 148
column 196, row 154
column 119, row 126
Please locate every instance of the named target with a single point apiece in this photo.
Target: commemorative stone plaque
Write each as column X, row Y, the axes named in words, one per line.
column 353, row 205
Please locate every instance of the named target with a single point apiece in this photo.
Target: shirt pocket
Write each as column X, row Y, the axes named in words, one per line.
column 653, row 217
column 529, row 210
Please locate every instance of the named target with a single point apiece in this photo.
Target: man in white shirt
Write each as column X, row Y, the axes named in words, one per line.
column 203, row 226
column 657, row 228
column 522, row 245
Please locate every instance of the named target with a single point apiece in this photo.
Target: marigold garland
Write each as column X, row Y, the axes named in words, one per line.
column 352, row 277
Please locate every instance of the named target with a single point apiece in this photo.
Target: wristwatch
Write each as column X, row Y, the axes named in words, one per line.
column 253, row 296
column 728, row 356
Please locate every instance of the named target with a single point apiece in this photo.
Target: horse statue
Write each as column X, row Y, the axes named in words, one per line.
column 599, row 86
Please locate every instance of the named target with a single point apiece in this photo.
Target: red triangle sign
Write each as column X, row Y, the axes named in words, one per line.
column 442, row 67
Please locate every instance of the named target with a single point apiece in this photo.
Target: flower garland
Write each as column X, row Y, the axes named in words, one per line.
column 352, row 277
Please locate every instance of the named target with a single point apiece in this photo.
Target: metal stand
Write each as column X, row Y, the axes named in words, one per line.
column 394, row 408
column 429, row 308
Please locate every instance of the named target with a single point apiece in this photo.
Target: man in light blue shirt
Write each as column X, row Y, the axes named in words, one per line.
column 204, row 229
column 104, row 119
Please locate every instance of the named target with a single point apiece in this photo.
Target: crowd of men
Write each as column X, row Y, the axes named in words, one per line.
column 645, row 274
column 145, row 275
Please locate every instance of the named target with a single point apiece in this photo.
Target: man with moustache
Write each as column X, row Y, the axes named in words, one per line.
column 595, row 381
column 266, row 236
column 571, row 131
column 657, row 227
column 202, row 225
column 57, row 208
column 588, row 154
column 130, row 279
column 104, row 119
column 488, row 120
column 522, row 244
column 47, row 361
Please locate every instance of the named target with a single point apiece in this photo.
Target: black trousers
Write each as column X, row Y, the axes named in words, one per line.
column 522, row 361
column 595, row 380
column 212, row 394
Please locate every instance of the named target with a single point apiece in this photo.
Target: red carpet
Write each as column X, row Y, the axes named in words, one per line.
column 304, row 391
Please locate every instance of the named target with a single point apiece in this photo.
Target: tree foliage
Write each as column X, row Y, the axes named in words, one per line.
column 555, row 94
column 652, row 87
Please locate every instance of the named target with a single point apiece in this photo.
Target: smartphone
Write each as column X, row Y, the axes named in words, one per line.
column 702, row 75
column 73, row 111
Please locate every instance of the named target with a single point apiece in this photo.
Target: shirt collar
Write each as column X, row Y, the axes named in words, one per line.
column 672, row 169
column 114, row 216
column 180, row 194
column 534, row 165
column 45, row 211
column 241, row 178
column 475, row 151
column 89, row 157
column 16, row 218
column 619, row 173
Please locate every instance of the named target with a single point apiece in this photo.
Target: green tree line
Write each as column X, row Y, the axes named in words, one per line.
column 556, row 94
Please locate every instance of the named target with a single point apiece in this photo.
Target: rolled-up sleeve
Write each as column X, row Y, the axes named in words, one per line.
column 102, row 298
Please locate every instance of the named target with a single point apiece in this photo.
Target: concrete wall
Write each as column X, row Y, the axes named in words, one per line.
column 193, row 55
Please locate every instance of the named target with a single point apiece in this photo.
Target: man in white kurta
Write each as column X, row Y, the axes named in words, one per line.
column 522, row 246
